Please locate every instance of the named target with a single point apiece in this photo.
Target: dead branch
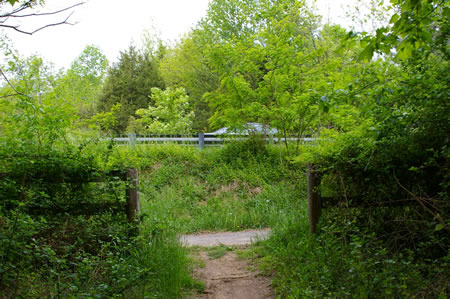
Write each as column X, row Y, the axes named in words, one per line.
column 26, row 5
column 45, row 13
column 424, row 202
column 15, row 14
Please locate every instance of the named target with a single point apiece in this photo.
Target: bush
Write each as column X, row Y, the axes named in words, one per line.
column 346, row 261
column 241, row 151
column 52, row 242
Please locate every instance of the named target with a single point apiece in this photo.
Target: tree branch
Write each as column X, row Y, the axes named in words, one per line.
column 29, row 4
column 9, row 96
column 46, row 13
column 22, row 7
column 423, row 202
column 17, row 93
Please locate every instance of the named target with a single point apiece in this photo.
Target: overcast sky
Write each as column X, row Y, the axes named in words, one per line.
column 113, row 24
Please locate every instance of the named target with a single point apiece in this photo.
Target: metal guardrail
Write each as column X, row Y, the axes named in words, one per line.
column 201, row 140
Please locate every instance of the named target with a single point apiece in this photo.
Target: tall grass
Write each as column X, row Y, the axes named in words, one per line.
column 188, row 190
column 161, row 267
column 334, row 266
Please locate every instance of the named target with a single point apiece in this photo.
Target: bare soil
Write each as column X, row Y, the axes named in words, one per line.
column 229, row 276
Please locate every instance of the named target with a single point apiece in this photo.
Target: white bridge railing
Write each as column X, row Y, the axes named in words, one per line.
column 201, row 140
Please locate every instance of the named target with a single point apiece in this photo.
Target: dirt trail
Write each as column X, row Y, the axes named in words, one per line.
column 226, row 238
column 229, row 276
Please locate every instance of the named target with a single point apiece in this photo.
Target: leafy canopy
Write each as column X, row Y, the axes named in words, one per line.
column 82, row 83
column 170, row 113
column 415, row 26
column 185, row 65
column 276, row 64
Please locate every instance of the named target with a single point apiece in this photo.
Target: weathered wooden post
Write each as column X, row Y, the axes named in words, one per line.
column 132, row 194
column 314, row 204
column 201, row 140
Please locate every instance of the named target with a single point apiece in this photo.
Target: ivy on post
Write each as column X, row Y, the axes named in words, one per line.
column 314, row 204
column 133, row 204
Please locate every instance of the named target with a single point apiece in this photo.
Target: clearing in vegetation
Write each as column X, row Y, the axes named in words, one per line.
column 224, row 272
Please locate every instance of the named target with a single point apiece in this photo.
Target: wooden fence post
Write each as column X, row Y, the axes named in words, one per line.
column 201, row 140
column 314, row 204
column 132, row 194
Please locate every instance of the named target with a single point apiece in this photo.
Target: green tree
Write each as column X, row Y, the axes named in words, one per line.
column 129, row 83
column 91, row 63
column 34, row 115
column 82, row 83
column 400, row 148
column 185, row 66
column 169, row 114
column 417, row 25
column 277, row 67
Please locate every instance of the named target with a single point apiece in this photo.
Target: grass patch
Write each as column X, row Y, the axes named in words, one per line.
column 343, row 262
column 214, row 195
column 219, row 251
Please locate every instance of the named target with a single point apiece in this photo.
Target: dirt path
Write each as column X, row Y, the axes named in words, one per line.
column 226, row 238
column 227, row 275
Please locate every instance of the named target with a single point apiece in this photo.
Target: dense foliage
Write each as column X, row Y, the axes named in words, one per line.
column 61, row 235
column 375, row 103
column 129, row 83
column 169, row 115
column 276, row 67
column 82, row 83
column 185, row 66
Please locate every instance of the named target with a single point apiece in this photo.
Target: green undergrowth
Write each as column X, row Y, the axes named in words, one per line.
column 239, row 187
column 333, row 266
column 182, row 190
column 52, row 245
column 232, row 188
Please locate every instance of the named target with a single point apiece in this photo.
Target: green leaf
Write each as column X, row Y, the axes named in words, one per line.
column 367, row 53
column 394, row 19
column 439, row 227
column 405, row 52
column 446, row 12
column 414, row 169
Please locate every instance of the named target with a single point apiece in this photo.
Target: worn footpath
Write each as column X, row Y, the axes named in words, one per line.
column 229, row 276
